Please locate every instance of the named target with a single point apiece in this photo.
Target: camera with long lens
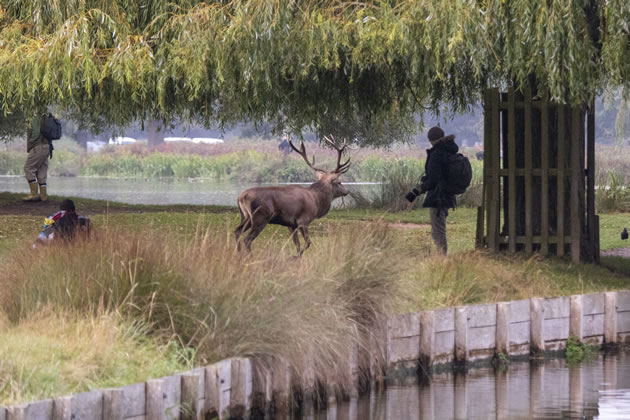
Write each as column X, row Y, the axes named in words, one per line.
column 412, row 195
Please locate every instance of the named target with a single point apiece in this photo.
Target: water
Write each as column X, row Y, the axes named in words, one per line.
column 597, row 389
column 148, row 191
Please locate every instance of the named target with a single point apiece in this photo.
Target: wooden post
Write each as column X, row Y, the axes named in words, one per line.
column 113, row 404
column 461, row 334
column 575, row 317
column 495, row 148
column 561, row 180
column 590, row 187
column 427, row 336
column 544, row 161
column 155, row 399
column 511, row 191
column 610, row 318
column 62, row 408
column 537, row 343
column 503, row 325
column 529, row 226
column 190, row 397
column 577, row 145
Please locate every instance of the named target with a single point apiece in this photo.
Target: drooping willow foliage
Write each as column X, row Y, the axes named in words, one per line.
column 324, row 64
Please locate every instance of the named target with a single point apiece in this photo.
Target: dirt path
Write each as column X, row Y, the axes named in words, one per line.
column 12, row 204
column 617, row 252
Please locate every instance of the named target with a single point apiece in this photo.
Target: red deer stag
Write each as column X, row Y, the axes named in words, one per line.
column 292, row 206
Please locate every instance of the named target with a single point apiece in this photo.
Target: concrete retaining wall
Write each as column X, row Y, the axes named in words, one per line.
column 236, row 387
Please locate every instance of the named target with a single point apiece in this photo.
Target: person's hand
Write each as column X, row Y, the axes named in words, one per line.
column 412, row 195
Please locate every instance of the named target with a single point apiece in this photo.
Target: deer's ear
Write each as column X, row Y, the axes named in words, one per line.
column 320, row 174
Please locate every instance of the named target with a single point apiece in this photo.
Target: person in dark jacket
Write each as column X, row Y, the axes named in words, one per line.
column 437, row 199
column 36, row 166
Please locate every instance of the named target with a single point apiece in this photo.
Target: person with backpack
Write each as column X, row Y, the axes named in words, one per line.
column 447, row 173
column 39, row 136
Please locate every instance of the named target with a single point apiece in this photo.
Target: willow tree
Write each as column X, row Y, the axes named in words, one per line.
column 368, row 66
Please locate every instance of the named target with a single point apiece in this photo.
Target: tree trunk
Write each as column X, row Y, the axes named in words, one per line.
column 82, row 137
column 155, row 133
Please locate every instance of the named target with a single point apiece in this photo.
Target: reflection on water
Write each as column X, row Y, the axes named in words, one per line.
column 147, row 191
column 598, row 389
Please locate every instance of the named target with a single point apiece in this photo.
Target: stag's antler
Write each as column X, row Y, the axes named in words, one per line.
column 341, row 168
column 302, row 152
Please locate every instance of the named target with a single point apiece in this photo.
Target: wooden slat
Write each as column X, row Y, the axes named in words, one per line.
column 577, row 143
column 535, row 172
column 482, row 240
column 493, row 193
column 544, row 193
column 560, row 178
column 590, row 188
column 528, row 171
column 512, row 174
column 537, row 239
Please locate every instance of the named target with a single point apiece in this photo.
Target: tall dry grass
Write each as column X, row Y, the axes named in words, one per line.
column 215, row 301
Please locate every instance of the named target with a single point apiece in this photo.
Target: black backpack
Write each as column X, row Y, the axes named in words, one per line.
column 51, row 128
column 459, row 174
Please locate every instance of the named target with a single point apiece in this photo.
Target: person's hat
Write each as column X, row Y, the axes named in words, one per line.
column 436, row 134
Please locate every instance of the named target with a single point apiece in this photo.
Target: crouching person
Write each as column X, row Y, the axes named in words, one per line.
column 65, row 225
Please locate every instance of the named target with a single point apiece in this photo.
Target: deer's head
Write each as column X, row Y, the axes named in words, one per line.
column 329, row 177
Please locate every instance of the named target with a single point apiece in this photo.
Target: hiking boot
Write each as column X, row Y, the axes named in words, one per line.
column 43, row 195
column 34, row 195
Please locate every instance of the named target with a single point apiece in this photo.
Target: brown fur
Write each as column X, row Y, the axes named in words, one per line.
column 292, row 206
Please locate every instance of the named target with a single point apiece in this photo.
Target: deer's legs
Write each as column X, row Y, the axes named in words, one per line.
column 296, row 238
column 257, row 227
column 307, row 239
column 240, row 229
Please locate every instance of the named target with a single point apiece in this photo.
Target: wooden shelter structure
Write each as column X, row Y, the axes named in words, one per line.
column 539, row 177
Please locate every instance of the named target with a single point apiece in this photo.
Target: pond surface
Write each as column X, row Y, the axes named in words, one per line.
column 597, row 389
column 149, row 191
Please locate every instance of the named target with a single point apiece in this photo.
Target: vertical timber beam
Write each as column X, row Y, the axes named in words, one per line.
column 576, row 173
column 511, row 171
column 528, row 171
column 560, row 179
column 494, row 141
column 544, row 162
column 590, row 183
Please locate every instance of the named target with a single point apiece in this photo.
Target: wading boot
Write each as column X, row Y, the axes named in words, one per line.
column 43, row 194
column 34, row 195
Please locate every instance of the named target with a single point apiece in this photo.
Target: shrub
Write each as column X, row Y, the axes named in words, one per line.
column 215, row 300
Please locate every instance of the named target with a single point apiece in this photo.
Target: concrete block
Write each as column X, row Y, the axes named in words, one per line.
column 503, row 328
column 610, row 317
column 134, row 400
column 40, row 410
column 593, row 303
column 623, row 322
column 593, row 325
column 155, row 399
column 403, row 338
column 427, row 336
column 113, row 404
column 556, row 329
column 519, row 333
column 482, row 315
column 519, row 311
column 623, row 300
column 576, row 316
column 62, row 408
column 241, row 387
column 461, row 333
column 17, row 412
column 87, row 405
column 3, row 413
column 537, row 343
column 444, row 320
column 172, row 389
column 556, row 307
column 482, row 338
column 190, row 409
column 444, row 347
